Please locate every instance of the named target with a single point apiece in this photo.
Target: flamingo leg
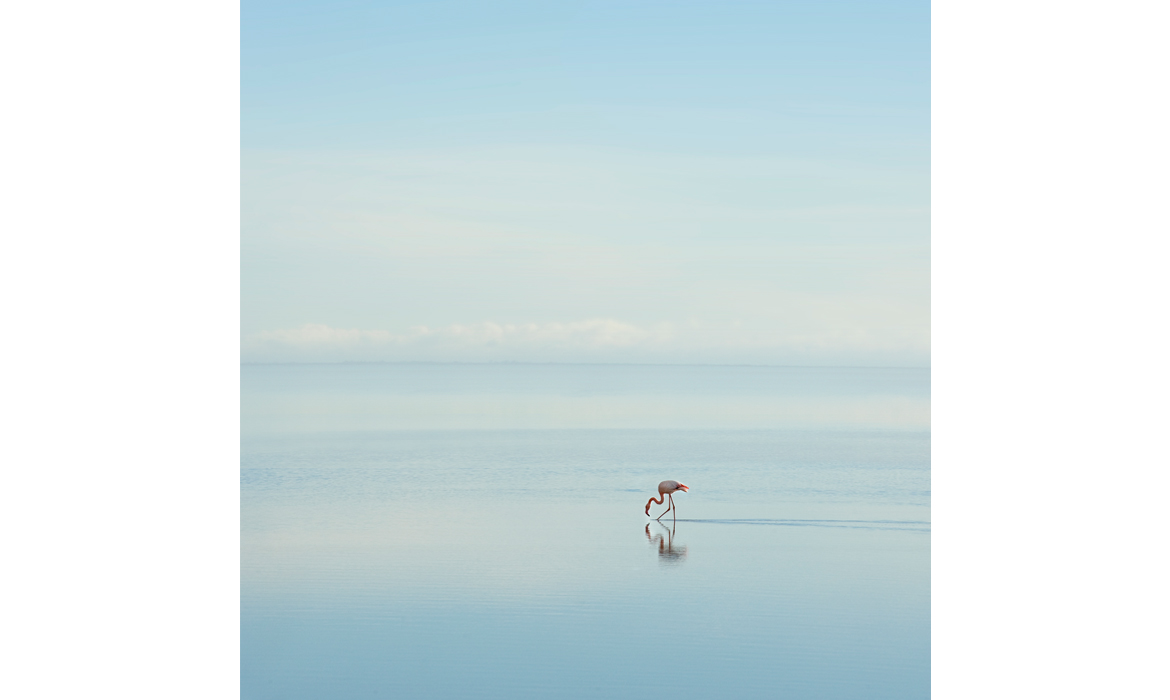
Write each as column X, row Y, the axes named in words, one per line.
column 667, row 507
column 673, row 510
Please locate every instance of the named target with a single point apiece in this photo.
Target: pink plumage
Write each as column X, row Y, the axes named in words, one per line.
column 665, row 490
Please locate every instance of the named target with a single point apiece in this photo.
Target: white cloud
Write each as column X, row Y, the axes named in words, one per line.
column 593, row 340
column 471, row 342
column 581, row 255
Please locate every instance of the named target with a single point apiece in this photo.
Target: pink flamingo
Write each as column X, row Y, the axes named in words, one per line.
column 665, row 489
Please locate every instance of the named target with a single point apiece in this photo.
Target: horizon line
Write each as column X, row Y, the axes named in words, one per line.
column 605, row 364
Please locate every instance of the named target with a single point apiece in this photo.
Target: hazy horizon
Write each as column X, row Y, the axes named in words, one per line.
column 399, row 396
column 630, row 364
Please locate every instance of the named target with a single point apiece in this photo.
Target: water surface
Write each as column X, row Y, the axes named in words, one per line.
column 394, row 550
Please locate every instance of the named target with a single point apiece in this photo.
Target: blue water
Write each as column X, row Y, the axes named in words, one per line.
column 463, row 531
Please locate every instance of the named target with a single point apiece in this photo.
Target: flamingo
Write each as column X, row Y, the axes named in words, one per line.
column 665, row 489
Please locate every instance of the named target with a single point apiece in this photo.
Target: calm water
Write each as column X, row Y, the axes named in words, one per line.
column 463, row 531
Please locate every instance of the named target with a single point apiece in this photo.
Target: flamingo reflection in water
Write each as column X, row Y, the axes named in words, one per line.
column 667, row 552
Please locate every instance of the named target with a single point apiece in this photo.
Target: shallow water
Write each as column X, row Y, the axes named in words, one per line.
column 503, row 559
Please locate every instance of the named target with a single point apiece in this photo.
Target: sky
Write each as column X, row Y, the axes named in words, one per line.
column 650, row 182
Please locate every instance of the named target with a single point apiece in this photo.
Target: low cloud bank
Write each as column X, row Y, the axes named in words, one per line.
column 594, row 340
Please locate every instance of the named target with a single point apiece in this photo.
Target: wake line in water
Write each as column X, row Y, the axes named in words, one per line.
column 917, row 525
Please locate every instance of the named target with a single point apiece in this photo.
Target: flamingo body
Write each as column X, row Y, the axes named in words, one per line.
column 665, row 490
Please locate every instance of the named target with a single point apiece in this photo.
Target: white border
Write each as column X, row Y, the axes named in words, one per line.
column 1049, row 350
column 120, row 288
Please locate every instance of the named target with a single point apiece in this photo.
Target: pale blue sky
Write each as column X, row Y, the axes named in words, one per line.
column 580, row 181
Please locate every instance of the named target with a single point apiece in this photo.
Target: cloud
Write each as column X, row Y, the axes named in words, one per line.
column 471, row 342
column 592, row 340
